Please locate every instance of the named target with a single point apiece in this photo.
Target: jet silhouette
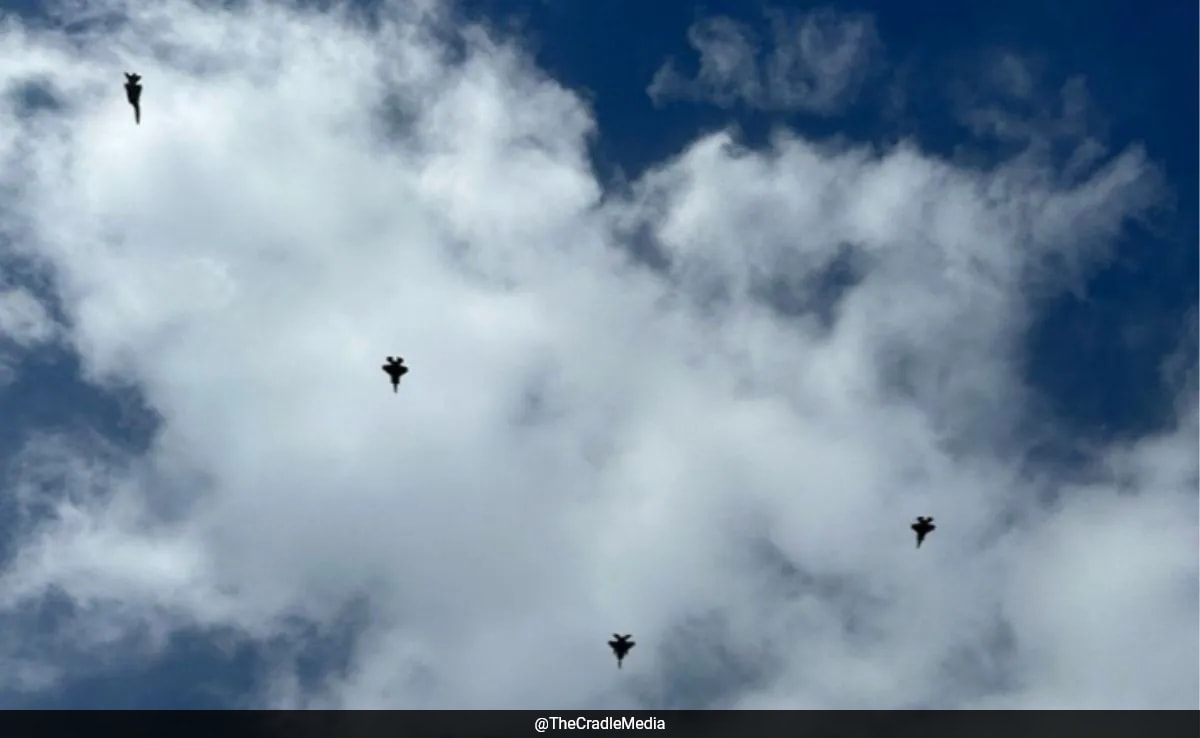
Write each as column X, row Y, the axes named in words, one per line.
column 133, row 91
column 395, row 369
column 923, row 527
column 621, row 646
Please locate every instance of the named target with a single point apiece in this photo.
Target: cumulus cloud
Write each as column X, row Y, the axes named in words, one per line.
column 816, row 63
column 720, row 455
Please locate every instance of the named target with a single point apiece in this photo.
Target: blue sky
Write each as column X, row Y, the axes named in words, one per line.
column 662, row 441
column 1138, row 63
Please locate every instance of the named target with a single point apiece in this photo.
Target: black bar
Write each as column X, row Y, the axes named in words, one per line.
column 501, row 723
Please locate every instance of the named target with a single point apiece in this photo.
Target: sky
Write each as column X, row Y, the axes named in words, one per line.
column 703, row 305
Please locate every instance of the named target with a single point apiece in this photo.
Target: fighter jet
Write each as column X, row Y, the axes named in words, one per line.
column 395, row 369
column 133, row 91
column 621, row 646
column 923, row 527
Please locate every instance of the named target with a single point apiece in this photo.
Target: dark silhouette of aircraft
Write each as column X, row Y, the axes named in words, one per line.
column 621, row 646
column 395, row 369
column 133, row 91
column 923, row 527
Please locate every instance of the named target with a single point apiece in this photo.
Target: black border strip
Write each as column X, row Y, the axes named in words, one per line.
column 468, row 724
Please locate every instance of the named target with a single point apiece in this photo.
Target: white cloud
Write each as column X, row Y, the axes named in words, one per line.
column 24, row 324
column 23, row 320
column 817, row 62
column 582, row 445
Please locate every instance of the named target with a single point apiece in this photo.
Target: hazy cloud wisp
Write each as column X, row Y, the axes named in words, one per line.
column 815, row 63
